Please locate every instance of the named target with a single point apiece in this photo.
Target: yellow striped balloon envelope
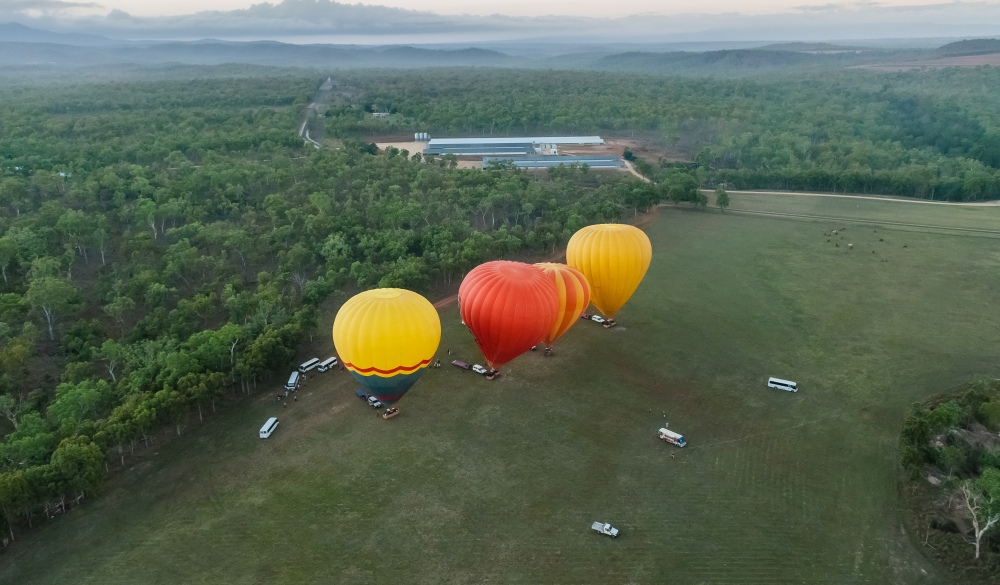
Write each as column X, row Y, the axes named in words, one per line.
column 386, row 338
column 614, row 258
column 574, row 296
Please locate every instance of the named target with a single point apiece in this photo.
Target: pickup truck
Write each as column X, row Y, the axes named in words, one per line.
column 479, row 369
column 605, row 528
column 371, row 400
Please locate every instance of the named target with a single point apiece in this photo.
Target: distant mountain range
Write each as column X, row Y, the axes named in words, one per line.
column 13, row 32
column 302, row 21
column 22, row 46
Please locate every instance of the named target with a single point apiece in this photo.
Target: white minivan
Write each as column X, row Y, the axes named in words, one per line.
column 268, row 428
column 293, row 382
column 327, row 364
column 779, row 384
column 309, row 365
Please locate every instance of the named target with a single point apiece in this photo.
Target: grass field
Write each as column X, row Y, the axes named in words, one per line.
column 480, row 482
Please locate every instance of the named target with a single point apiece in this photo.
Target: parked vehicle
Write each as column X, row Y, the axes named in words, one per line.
column 268, row 428
column 293, row 382
column 479, row 369
column 361, row 394
column 671, row 437
column 327, row 364
column 604, row 528
column 374, row 402
column 585, row 316
column 597, row 319
column 309, row 365
column 786, row 385
column 461, row 364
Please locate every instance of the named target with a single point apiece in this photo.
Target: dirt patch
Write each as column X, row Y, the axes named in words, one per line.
column 411, row 147
column 990, row 59
column 647, row 151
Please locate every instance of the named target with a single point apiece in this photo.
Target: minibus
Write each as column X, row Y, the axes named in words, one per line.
column 309, row 365
column 786, row 385
column 268, row 428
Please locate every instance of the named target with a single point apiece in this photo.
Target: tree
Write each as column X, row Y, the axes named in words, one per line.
column 10, row 408
column 721, row 198
column 117, row 308
column 8, row 254
column 980, row 501
column 53, row 296
column 80, row 462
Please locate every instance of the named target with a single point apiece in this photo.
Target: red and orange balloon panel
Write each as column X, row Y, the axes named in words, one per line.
column 508, row 307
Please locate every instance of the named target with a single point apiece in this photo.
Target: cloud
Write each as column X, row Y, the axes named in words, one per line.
column 46, row 5
column 313, row 20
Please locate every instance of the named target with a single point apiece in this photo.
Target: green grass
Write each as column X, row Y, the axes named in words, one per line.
column 498, row 482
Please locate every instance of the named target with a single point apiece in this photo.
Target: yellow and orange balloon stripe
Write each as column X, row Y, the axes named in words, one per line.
column 574, row 296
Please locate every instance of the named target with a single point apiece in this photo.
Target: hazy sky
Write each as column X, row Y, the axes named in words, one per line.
column 512, row 7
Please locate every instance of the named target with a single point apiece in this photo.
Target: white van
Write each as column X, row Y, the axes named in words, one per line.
column 327, row 364
column 293, row 382
column 779, row 384
column 309, row 365
column 268, row 428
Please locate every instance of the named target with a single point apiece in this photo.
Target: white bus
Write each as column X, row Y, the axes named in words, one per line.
column 268, row 428
column 309, row 365
column 293, row 382
column 779, row 384
column 327, row 364
column 671, row 437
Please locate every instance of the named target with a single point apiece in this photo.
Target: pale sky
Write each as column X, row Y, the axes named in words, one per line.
column 596, row 8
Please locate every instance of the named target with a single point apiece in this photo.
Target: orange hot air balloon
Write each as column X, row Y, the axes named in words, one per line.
column 574, row 296
column 508, row 307
column 614, row 258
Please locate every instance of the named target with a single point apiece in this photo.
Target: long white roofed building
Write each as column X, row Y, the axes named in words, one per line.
column 507, row 146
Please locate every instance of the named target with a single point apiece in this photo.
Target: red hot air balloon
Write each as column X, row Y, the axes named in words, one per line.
column 509, row 307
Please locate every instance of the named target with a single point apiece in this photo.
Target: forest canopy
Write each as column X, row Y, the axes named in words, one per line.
column 166, row 245
column 933, row 134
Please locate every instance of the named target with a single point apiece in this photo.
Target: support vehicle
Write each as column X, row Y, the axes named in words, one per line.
column 268, row 428
column 779, row 384
column 479, row 369
column 327, row 365
column 671, row 437
column 605, row 528
column 309, row 365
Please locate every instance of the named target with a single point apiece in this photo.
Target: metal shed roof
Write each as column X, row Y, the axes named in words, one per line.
column 544, row 162
column 518, row 140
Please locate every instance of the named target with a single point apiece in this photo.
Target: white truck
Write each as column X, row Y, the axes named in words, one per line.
column 604, row 528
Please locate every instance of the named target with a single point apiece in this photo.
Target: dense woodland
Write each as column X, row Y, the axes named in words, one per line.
column 165, row 246
column 950, row 450
column 933, row 134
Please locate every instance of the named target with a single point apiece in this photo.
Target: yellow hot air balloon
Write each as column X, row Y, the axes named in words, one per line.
column 614, row 258
column 386, row 338
column 574, row 296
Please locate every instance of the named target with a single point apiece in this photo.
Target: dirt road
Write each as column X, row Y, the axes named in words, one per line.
column 873, row 197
